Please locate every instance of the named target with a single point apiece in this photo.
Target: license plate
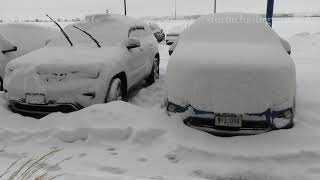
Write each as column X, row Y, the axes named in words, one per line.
column 35, row 99
column 228, row 121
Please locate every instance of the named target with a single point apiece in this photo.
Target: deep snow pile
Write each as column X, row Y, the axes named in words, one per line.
column 137, row 140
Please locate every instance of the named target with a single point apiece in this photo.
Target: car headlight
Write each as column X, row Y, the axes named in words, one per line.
column 174, row 108
column 59, row 77
column 282, row 119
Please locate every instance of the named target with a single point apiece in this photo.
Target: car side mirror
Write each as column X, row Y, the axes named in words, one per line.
column 15, row 48
column 133, row 43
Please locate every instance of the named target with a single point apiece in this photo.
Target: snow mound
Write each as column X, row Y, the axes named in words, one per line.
column 112, row 122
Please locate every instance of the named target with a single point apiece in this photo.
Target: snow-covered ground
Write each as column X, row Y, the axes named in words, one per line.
column 137, row 140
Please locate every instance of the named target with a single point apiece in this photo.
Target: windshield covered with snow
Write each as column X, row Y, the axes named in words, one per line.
column 226, row 28
column 107, row 30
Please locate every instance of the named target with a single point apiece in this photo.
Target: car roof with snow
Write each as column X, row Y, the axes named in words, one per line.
column 106, row 28
column 230, row 27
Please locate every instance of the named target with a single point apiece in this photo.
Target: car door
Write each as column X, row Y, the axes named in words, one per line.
column 136, row 60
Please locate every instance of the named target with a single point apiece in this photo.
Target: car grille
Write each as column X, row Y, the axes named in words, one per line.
column 42, row 110
column 53, row 77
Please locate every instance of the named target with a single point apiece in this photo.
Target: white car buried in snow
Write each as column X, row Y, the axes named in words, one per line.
column 231, row 75
column 98, row 61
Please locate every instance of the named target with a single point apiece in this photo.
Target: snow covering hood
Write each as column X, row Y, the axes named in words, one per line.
column 60, row 59
column 232, row 76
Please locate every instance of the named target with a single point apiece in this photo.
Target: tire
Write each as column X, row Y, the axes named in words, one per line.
column 1, row 84
column 155, row 72
column 115, row 91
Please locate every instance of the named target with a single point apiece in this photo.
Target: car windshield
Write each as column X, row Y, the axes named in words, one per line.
column 106, row 33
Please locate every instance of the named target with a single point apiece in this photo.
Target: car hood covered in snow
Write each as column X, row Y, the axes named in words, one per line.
column 56, row 59
column 231, row 76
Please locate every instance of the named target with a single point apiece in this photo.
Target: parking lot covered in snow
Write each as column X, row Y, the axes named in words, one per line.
column 138, row 140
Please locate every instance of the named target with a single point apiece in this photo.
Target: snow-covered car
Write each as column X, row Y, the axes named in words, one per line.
column 171, row 38
column 230, row 76
column 158, row 32
column 19, row 39
column 94, row 61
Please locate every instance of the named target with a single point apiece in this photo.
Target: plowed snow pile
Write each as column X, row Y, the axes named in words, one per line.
column 137, row 140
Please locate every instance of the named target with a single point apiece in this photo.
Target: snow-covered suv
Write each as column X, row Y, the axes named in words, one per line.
column 95, row 61
column 231, row 75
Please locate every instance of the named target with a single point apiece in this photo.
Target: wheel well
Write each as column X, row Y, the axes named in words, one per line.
column 123, row 77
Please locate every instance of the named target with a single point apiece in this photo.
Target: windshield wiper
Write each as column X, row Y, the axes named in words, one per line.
column 63, row 32
column 91, row 37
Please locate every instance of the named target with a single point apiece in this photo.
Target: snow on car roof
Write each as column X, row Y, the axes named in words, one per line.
column 230, row 27
column 106, row 28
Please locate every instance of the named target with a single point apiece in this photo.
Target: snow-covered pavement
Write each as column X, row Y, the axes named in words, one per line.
column 137, row 140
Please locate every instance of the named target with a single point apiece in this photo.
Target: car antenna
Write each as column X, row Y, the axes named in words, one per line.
column 63, row 32
column 94, row 39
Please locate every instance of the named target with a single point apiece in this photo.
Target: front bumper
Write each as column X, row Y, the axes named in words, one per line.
column 252, row 124
column 42, row 110
column 208, row 125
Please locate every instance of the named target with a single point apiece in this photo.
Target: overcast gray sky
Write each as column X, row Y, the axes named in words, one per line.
column 142, row 8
